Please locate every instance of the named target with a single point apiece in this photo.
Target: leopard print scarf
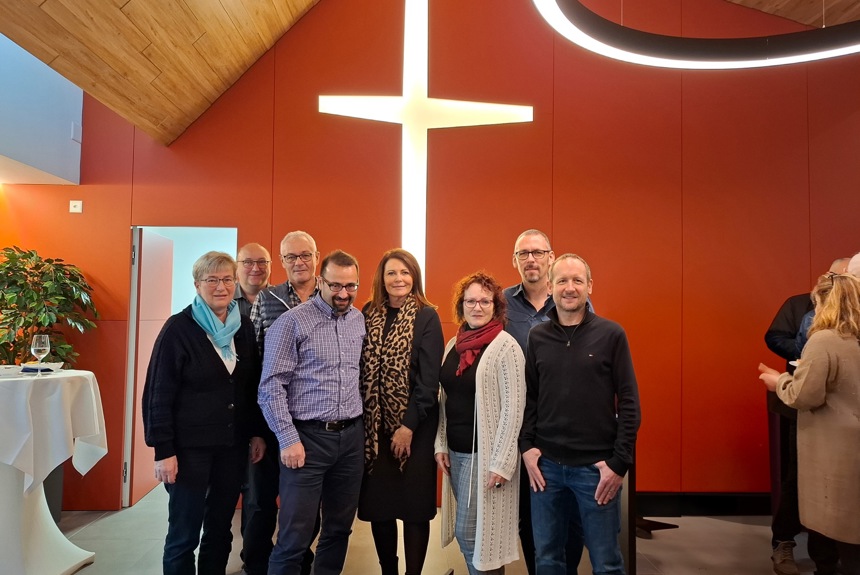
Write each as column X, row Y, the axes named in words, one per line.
column 385, row 375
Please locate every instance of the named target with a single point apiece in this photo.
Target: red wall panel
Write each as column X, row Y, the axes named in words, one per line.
column 834, row 172
column 617, row 203
column 97, row 241
column 745, row 183
column 103, row 351
column 721, row 19
column 486, row 184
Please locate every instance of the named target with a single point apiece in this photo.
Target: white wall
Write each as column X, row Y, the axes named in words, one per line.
column 38, row 108
column 188, row 245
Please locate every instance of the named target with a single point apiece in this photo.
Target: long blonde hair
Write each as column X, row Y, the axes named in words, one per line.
column 840, row 309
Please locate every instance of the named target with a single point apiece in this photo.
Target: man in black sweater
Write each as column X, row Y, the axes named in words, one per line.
column 581, row 420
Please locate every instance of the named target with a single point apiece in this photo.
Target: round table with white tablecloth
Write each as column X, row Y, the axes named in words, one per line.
column 43, row 422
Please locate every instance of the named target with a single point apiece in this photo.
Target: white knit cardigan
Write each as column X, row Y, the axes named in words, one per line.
column 499, row 400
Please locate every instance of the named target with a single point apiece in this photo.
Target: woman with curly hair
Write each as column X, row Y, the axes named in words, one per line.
column 481, row 410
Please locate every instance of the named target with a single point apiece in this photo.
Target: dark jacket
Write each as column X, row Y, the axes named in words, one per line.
column 780, row 339
column 190, row 399
column 582, row 400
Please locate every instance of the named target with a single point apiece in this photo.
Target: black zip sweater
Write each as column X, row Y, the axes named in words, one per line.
column 582, row 401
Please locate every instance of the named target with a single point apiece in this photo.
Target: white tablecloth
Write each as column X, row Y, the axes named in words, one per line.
column 43, row 422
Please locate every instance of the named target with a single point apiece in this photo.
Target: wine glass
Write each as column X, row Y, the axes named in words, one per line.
column 40, row 346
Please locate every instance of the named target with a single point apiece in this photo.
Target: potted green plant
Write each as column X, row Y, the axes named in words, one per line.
column 39, row 296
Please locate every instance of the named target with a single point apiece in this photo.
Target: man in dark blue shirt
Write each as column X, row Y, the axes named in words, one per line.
column 529, row 300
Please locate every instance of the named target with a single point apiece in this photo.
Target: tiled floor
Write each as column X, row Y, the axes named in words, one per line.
column 129, row 542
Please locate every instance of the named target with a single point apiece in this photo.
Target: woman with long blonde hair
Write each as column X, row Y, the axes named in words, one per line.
column 825, row 389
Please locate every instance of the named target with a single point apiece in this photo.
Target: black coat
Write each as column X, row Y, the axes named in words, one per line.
column 190, row 399
column 780, row 339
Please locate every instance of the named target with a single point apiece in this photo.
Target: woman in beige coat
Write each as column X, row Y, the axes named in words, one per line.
column 825, row 389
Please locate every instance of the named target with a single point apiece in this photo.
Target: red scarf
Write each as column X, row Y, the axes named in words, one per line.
column 470, row 342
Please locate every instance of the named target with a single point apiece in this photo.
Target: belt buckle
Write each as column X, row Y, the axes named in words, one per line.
column 333, row 425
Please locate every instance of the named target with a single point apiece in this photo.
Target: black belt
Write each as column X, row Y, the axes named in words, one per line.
column 328, row 425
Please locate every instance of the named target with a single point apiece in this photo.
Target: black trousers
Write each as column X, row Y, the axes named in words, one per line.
column 203, row 497
column 260, row 509
column 850, row 554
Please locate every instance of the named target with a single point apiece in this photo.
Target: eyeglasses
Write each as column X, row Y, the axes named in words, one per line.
column 523, row 255
column 471, row 303
column 249, row 264
column 213, row 282
column 291, row 258
column 335, row 287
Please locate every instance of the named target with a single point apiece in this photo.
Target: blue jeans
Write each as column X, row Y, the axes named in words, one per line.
column 204, row 496
column 569, row 494
column 573, row 549
column 331, row 476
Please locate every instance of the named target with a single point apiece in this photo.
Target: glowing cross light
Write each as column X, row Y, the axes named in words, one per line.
column 417, row 113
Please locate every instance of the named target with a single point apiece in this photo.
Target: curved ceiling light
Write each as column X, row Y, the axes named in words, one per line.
column 594, row 33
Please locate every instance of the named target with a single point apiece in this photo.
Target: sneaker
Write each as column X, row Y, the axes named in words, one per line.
column 783, row 559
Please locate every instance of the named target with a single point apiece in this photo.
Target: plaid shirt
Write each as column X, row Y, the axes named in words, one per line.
column 270, row 304
column 310, row 368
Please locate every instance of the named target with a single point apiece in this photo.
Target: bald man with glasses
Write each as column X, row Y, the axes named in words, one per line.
column 253, row 271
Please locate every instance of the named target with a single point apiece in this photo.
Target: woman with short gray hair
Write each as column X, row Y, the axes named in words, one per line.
column 200, row 413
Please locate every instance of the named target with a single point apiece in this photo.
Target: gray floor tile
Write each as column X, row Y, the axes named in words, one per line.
column 130, row 542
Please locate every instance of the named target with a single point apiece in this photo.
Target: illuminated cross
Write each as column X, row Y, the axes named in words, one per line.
column 417, row 113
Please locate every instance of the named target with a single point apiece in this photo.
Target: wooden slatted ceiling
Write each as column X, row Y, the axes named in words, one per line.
column 157, row 63
column 815, row 13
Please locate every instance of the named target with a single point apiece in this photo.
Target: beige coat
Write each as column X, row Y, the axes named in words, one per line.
column 825, row 389
column 500, row 392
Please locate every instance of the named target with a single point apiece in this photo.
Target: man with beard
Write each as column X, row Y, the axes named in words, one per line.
column 580, row 424
column 528, row 304
column 529, row 301
column 310, row 398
